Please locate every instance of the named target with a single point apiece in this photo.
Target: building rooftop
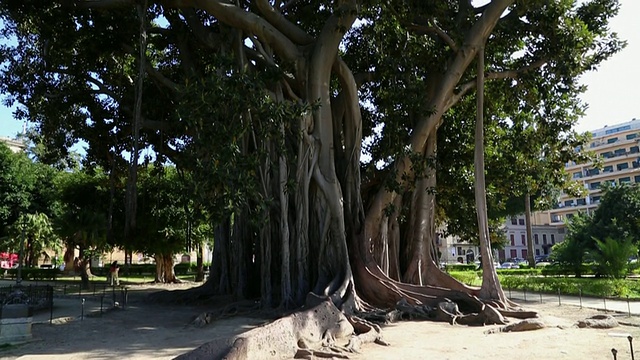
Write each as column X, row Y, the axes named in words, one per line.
column 15, row 145
column 634, row 124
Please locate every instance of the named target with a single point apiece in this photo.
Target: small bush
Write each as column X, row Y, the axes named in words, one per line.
column 466, row 277
column 460, row 267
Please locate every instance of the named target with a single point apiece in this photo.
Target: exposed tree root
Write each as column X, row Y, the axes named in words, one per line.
column 320, row 331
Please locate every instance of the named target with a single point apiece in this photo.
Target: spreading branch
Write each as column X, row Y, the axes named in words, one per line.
column 507, row 74
column 281, row 23
column 434, row 29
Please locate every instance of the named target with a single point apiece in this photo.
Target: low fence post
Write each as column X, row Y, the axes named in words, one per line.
column 50, row 291
column 559, row 300
column 580, row 292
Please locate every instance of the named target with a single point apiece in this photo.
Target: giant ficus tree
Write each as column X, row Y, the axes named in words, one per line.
column 289, row 90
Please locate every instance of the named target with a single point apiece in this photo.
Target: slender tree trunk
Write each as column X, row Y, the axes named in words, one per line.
column 491, row 288
column 527, row 218
column 200, row 263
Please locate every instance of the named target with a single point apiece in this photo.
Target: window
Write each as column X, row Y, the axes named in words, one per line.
column 513, row 239
column 553, row 238
column 524, row 239
column 620, row 152
column 623, row 166
column 624, row 180
column 556, row 218
column 535, row 239
column 521, row 221
column 568, row 203
column 514, row 221
column 607, row 169
column 561, row 230
column 581, row 202
column 635, row 164
column 612, row 140
column 607, row 154
column 595, row 199
column 594, row 185
column 636, row 178
column 632, row 136
column 634, row 150
column 577, row 175
column 524, row 253
column 460, row 250
column 569, row 216
column 513, row 253
column 544, row 239
column 537, row 252
column 591, row 172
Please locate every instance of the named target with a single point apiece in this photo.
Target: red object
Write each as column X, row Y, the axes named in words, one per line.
column 8, row 260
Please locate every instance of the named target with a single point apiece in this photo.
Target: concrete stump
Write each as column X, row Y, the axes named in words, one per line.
column 15, row 323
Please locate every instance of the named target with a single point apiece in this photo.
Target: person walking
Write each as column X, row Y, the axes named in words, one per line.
column 113, row 274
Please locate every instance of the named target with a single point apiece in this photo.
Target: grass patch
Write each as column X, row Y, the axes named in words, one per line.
column 517, row 280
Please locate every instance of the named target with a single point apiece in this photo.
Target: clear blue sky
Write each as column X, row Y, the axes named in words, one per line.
column 611, row 95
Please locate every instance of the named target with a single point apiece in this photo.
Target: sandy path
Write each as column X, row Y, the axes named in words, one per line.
column 147, row 331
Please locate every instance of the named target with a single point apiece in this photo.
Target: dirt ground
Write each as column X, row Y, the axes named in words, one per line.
column 149, row 331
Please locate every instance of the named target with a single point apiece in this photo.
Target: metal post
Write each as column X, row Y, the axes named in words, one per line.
column 82, row 313
column 630, row 338
column 628, row 306
column 50, row 305
column 559, row 301
column 580, row 297
column 615, row 353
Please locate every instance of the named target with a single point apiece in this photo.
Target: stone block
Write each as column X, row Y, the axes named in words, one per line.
column 12, row 311
column 15, row 323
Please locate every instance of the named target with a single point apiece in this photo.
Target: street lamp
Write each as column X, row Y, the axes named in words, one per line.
column 19, row 277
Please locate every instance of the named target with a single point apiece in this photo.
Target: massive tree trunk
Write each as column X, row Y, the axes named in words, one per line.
column 164, row 269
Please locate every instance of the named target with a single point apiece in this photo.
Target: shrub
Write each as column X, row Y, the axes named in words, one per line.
column 460, row 267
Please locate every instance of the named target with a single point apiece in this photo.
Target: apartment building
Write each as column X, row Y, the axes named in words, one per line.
column 544, row 237
column 14, row 145
column 452, row 250
column 619, row 148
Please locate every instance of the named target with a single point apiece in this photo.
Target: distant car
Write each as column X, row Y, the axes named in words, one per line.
column 509, row 265
column 543, row 264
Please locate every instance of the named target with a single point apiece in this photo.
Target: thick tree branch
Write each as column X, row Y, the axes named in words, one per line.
column 251, row 23
column 507, row 74
column 153, row 72
column 281, row 23
column 434, row 29
column 517, row 72
column 208, row 38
